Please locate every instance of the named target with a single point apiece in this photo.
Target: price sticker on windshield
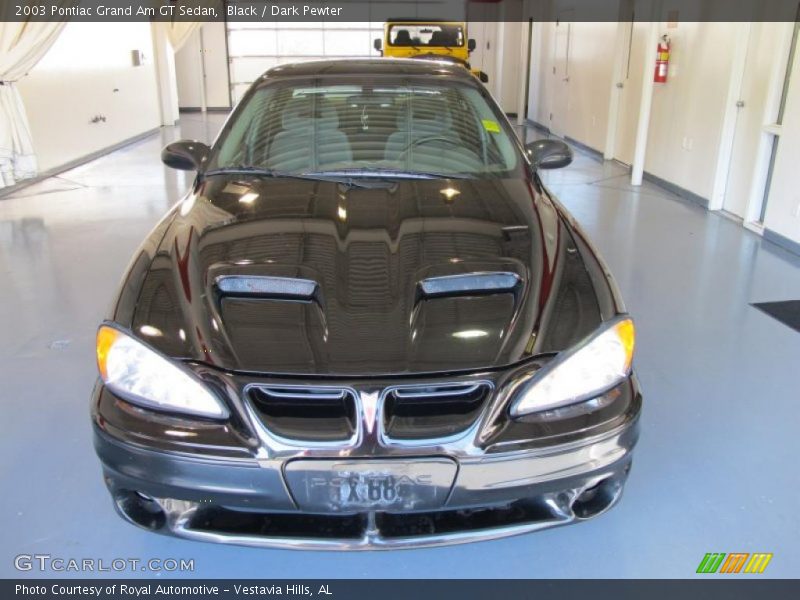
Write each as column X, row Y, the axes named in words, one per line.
column 491, row 126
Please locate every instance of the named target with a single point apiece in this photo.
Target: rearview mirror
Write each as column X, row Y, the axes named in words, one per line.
column 549, row 154
column 471, row 45
column 377, row 44
column 186, row 155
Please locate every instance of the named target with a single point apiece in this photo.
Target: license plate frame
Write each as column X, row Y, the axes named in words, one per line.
column 347, row 486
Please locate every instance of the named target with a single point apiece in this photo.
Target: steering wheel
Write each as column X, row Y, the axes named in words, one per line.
column 426, row 139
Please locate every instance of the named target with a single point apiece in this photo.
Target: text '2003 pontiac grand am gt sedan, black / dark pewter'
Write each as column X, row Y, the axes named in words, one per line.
column 367, row 325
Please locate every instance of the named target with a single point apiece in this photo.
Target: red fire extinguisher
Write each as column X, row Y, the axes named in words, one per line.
column 662, row 61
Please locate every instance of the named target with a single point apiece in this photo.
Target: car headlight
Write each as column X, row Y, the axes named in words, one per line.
column 593, row 367
column 142, row 376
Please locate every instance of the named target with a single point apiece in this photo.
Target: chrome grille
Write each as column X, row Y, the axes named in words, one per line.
column 432, row 411
column 317, row 414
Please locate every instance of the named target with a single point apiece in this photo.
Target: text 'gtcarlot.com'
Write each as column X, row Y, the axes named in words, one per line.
column 47, row 562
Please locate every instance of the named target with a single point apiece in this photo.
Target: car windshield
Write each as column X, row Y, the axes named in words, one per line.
column 410, row 34
column 384, row 128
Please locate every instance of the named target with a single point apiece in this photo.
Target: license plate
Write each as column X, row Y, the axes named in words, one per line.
column 369, row 489
column 341, row 486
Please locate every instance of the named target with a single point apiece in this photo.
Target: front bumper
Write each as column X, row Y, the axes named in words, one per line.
column 238, row 482
column 247, row 501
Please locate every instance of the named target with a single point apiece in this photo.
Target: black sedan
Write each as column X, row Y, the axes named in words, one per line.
column 366, row 325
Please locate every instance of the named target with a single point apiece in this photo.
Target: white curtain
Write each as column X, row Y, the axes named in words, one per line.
column 22, row 45
column 178, row 32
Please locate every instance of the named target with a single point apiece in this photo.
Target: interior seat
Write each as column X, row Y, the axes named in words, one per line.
column 430, row 118
column 403, row 38
column 438, row 38
column 308, row 141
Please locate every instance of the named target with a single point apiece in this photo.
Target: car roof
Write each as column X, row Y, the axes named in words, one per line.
column 370, row 66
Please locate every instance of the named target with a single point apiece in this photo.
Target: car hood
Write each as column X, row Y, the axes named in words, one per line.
column 367, row 252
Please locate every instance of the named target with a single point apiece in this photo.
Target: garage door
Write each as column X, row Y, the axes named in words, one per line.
column 255, row 47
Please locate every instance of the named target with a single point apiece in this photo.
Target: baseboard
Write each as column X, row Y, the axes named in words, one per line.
column 7, row 191
column 596, row 154
column 536, row 125
column 782, row 241
column 197, row 109
column 676, row 189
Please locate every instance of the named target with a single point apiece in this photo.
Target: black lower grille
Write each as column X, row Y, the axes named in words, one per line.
column 313, row 414
column 421, row 412
column 452, row 521
column 228, row 521
column 234, row 522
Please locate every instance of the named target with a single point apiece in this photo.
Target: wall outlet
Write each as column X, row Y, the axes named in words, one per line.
column 687, row 143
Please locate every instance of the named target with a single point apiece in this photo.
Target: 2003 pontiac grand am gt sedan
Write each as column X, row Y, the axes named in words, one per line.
column 367, row 325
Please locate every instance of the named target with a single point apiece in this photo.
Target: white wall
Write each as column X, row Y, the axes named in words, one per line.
column 89, row 72
column 215, row 58
column 541, row 67
column 684, row 135
column 685, row 138
column 783, row 205
column 688, row 111
column 578, row 106
column 590, row 75
column 508, row 34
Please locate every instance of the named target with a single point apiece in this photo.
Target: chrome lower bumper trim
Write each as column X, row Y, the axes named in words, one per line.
column 369, row 542
column 493, row 496
column 178, row 524
column 562, row 508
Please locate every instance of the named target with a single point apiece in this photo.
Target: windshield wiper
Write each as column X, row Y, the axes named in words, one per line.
column 433, row 175
column 261, row 172
column 392, row 174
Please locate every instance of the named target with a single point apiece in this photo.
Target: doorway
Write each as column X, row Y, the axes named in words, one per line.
column 201, row 68
column 629, row 86
column 559, row 99
column 759, row 112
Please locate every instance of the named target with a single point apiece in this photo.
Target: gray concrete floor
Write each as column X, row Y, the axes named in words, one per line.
column 715, row 469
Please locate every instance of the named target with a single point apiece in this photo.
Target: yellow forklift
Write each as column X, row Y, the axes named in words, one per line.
column 430, row 39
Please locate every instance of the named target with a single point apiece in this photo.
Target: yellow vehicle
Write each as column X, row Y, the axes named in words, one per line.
column 440, row 40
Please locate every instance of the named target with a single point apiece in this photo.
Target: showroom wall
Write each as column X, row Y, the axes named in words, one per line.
column 209, row 45
column 684, row 136
column 575, row 69
column 570, row 83
column 506, row 73
column 89, row 73
column 783, row 205
column 575, row 80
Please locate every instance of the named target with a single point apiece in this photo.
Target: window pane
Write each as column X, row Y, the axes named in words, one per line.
column 247, row 70
column 300, row 43
column 252, row 42
column 347, row 43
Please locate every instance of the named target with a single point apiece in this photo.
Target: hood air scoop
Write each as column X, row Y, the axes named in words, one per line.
column 266, row 286
column 494, row 282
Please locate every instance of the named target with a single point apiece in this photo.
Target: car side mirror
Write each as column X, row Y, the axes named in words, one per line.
column 377, row 44
column 471, row 45
column 186, row 155
column 549, row 154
